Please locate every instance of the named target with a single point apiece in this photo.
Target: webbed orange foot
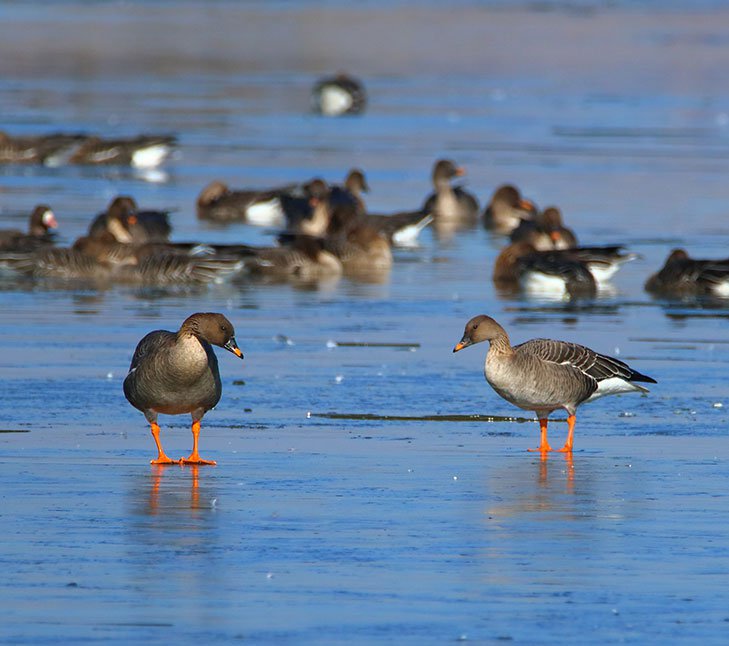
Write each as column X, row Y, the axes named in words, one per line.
column 163, row 459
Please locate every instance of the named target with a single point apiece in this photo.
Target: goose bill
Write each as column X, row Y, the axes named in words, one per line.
column 232, row 346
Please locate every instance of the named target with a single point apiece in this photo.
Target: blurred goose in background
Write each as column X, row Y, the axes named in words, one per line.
column 338, row 95
column 56, row 149
column 161, row 270
column 177, row 372
column 143, row 151
column 520, row 266
column 40, row 223
column 110, row 256
column 569, row 272
column 128, row 224
column 51, row 149
column 217, row 202
column 354, row 185
column 546, row 231
column 543, row 375
column 682, row 276
column 299, row 258
column 506, row 210
column 452, row 207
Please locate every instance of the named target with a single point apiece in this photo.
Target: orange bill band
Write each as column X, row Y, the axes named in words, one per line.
column 459, row 346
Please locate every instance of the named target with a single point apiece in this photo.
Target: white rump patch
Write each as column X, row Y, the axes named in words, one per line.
column 539, row 284
column 151, row 156
column 266, row 214
column 615, row 386
column 335, row 100
column 721, row 289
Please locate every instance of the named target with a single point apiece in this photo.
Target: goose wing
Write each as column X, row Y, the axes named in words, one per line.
column 592, row 364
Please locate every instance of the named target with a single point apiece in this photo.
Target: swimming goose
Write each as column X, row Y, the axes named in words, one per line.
column 572, row 272
column 142, row 151
column 520, row 266
column 506, row 209
column 299, row 258
column 452, row 207
column 217, row 202
column 546, row 231
column 104, row 260
column 543, row 375
column 334, row 96
column 354, row 185
column 177, row 372
column 681, row 276
column 37, row 149
column 40, row 222
column 128, row 224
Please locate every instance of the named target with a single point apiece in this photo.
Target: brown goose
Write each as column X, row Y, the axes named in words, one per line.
column 41, row 221
column 452, row 207
column 543, row 375
column 682, row 276
column 217, row 202
column 142, row 151
column 177, row 372
column 42, row 149
column 571, row 272
column 300, row 259
column 128, row 224
column 546, row 231
column 103, row 259
column 506, row 209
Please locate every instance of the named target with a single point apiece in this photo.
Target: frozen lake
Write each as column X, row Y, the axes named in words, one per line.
column 351, row 501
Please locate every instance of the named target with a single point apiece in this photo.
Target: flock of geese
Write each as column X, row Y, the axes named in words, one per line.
column 326, row 230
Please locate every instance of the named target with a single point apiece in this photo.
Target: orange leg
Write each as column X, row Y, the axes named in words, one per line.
column 543, row 444
column 567, row 448
column 194, row 457
column 161, row 457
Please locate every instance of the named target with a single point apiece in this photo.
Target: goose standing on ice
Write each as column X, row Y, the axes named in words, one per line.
column 543, row 375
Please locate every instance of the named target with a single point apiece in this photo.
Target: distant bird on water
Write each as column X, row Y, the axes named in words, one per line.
column 682, row 276
column 177, row 372
column 337, row 95
column 543, row 375
column 40, row 223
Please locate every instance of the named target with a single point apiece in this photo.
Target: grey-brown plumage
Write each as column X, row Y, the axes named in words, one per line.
column 683, row 276
column 142, row 151
column 138, row 226
column 543, row 375
column 218, row 202
column 506, row 209
column 106, row 262
column 545, row 232
column 177, row 372
column 452, row 207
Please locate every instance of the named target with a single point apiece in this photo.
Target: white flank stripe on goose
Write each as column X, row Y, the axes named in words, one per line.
column 615, row 386
column 335, row 100
column 266, row 214
column 151, row 156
